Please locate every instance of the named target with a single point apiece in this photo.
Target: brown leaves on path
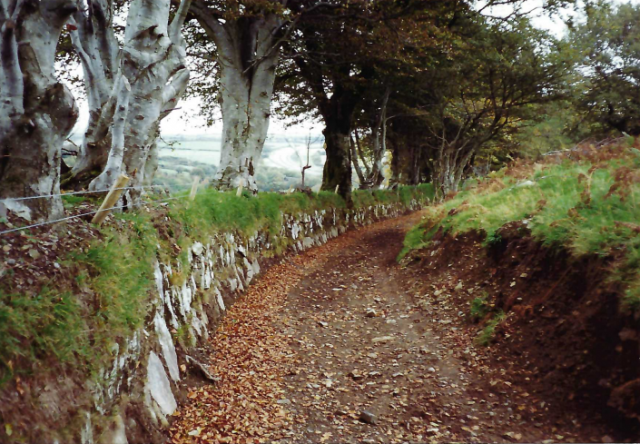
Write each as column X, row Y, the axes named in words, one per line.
column 250, row 360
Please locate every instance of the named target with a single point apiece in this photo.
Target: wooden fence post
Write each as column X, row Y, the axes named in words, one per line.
column 239, row 192
column 194, row 188
column 111, row 200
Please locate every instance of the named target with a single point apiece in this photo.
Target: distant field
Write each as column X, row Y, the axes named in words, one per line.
column 278, row 152
column 204, row 145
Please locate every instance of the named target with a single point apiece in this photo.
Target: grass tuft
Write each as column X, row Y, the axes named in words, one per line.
column 488, row 332
column 479, row 308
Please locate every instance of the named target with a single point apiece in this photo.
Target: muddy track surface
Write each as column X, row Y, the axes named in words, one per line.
column 335, row 345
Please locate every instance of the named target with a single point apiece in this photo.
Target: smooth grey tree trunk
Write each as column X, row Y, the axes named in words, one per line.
column 448, row 168
column 356, row 163
column 37, row 112
column 97, row 47
column 378, row 136
column 247, row 56
column 139, row 88
column 154, row 56
column 373, row 177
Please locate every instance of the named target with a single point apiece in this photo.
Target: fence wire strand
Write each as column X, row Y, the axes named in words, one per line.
column 155, row 204
column 16, row 199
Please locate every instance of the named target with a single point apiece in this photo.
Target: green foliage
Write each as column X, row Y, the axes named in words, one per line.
column 486, row 335
column 589, row 206
column 454, row 120
column 606, row 48
column 479, row 308
column 38, row 327
column 554, row 126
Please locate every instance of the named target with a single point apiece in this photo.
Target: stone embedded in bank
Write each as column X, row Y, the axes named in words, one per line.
column 159, row 385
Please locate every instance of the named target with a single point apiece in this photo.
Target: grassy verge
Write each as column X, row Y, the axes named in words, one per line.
column 214, row 211
column 65, row 321
column 586, row 203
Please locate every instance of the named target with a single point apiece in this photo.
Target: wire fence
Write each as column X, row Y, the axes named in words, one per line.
column 44, row 196
column 155, row 204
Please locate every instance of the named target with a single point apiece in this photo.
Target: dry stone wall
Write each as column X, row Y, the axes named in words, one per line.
column 133, row 398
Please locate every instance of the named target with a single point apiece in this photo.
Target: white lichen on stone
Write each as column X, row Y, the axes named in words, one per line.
column 167, row 346
column 159, row 386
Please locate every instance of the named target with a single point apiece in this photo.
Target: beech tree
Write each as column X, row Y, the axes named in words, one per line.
column 409, row 152
column 337, row 52
column 469, row 96
column 367, row 160
column 247, row 36
column 606, row 47
column 129, row 90
column 37, row 112
column 486, row 93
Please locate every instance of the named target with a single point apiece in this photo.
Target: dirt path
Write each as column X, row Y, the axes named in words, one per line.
column 359, row 360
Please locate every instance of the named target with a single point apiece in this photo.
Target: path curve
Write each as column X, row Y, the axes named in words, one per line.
column 333, row 346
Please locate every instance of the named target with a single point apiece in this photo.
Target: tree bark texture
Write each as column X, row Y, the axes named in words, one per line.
column 407, row 164
column 337, row 167
column 448, row 168
column 378, row 138
column 355, row 159
column 247, row 56
column 37, row 113
column 139, row 88
column 97, row 47
column 337, row 113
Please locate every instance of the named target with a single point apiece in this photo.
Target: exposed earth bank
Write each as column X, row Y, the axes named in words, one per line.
column 342, row 344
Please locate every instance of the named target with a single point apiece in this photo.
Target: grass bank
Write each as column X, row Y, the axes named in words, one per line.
column 585, row 201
